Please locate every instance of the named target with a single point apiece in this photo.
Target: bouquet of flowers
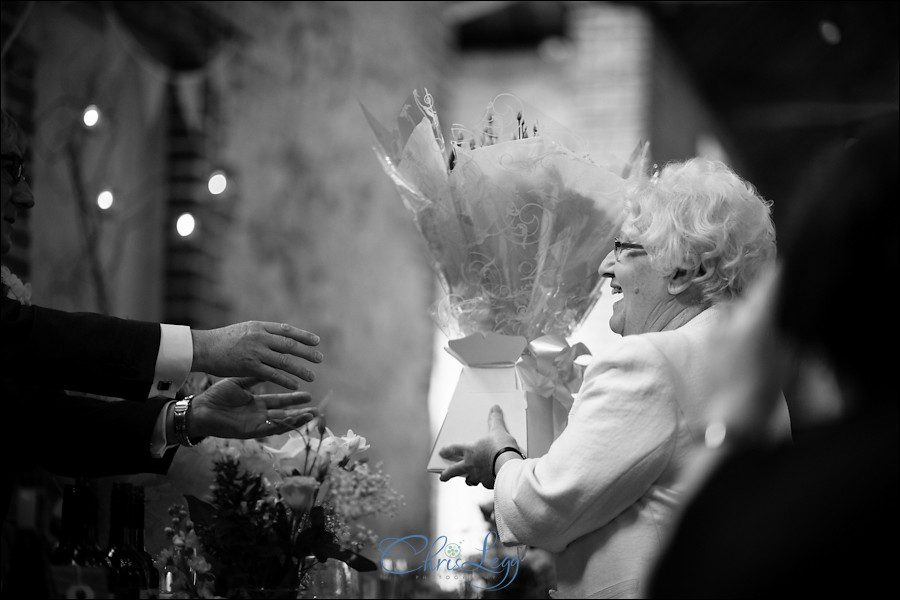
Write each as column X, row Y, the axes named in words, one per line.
column 275, row 512
column 516, row 218
column 185, row 568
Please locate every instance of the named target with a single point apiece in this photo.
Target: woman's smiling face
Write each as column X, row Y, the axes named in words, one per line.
column 644, row 291
column 15, row 194
column 15, row 199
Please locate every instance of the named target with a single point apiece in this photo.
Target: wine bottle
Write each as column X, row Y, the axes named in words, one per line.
column 66, row 549
column 77, row 563
column 29, row 573
column 138, row 523
column 91, row 550
column 127, row 573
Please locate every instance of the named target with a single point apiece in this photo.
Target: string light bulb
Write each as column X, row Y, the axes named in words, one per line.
column 217, row 183
column 830, row 32
column 105, row 200
column 91, row 116
column 185, row 225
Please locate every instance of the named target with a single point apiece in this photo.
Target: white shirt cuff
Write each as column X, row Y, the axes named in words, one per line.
column 158, row 443
column 173, row 363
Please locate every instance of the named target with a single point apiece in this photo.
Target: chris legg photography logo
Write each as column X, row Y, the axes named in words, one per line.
column 418, row 554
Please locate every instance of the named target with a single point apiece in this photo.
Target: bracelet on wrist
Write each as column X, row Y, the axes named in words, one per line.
column 502, row 451
column 181, row 417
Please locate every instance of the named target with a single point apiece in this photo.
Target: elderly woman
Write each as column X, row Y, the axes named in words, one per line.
column 604, row 495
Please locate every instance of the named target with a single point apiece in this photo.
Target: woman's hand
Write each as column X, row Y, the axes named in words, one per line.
column 475, row 461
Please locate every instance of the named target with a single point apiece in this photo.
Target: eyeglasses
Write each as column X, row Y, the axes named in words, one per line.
column 15, row 166
column 625, row 246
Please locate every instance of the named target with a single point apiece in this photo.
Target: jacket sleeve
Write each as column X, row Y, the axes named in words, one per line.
column 79, row 351
column 80, row 436
column 619, row 439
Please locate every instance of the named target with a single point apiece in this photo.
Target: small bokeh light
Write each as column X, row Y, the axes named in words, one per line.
column 91, row 116
column 715, row 435
column 830, row 32
column 217, row 183
column 185, row 225
column 105, row 200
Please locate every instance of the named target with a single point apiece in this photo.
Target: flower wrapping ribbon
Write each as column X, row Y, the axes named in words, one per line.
column 549, row 367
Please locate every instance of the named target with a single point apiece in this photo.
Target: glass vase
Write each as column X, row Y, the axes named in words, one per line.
column 329, row 579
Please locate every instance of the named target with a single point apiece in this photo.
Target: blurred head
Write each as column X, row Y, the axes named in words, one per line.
column 16, row 195
column 842, row 237
column 696, row 235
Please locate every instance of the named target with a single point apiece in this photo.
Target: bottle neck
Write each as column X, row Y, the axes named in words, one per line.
column 89, row 506
column 117, row 516
column 71, row 515
column 138, row 517
column 129, row 574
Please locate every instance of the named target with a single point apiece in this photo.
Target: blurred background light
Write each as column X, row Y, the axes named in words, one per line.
column 185, row 225
column 715, row 435
column 91, row 116
column 105, row 199
column 829, row 32
column 217, row 183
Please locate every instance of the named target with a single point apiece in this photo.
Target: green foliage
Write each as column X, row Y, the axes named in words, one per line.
column 245, row 532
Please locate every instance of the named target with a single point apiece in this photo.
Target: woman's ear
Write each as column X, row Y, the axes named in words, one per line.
column 681, row 279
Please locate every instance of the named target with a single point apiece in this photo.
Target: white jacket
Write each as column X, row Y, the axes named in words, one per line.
column 603, row 497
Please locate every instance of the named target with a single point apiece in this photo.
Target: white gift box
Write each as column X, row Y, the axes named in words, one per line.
column 489, row 376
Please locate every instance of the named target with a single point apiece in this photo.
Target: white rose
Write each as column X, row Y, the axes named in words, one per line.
column 333, row 450
column 297, row 455
column 355, row 444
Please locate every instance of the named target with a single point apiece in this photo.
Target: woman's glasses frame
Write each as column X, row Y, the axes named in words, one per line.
column 14, row 166
column 619, row 246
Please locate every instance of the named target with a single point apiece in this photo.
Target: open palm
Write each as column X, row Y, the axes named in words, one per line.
column 229, row 409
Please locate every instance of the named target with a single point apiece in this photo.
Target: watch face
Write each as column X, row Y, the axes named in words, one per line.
column 180, row 421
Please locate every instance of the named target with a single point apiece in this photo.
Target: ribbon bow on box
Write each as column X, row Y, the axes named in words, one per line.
column 551, row 368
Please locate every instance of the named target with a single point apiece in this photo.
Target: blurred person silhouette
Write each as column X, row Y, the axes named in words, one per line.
column 606, row 491
column 814, row 516
column 47, row 351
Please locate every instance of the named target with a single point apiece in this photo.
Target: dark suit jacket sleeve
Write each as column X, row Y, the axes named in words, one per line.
column 79, row 351
column 76, row 436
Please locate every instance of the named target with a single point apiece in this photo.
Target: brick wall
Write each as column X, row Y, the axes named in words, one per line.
column 320, row 237
column 611, row 77
column 194, row 292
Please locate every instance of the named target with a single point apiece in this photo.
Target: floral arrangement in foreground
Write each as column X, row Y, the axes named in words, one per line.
column 274, row 512
column 516, row 216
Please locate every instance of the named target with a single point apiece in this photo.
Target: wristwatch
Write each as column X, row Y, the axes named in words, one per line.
column 180, row 421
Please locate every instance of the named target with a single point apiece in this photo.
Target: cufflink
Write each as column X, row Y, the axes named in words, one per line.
column 163, row 386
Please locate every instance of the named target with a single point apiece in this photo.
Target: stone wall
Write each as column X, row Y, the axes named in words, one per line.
column 320, row 236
